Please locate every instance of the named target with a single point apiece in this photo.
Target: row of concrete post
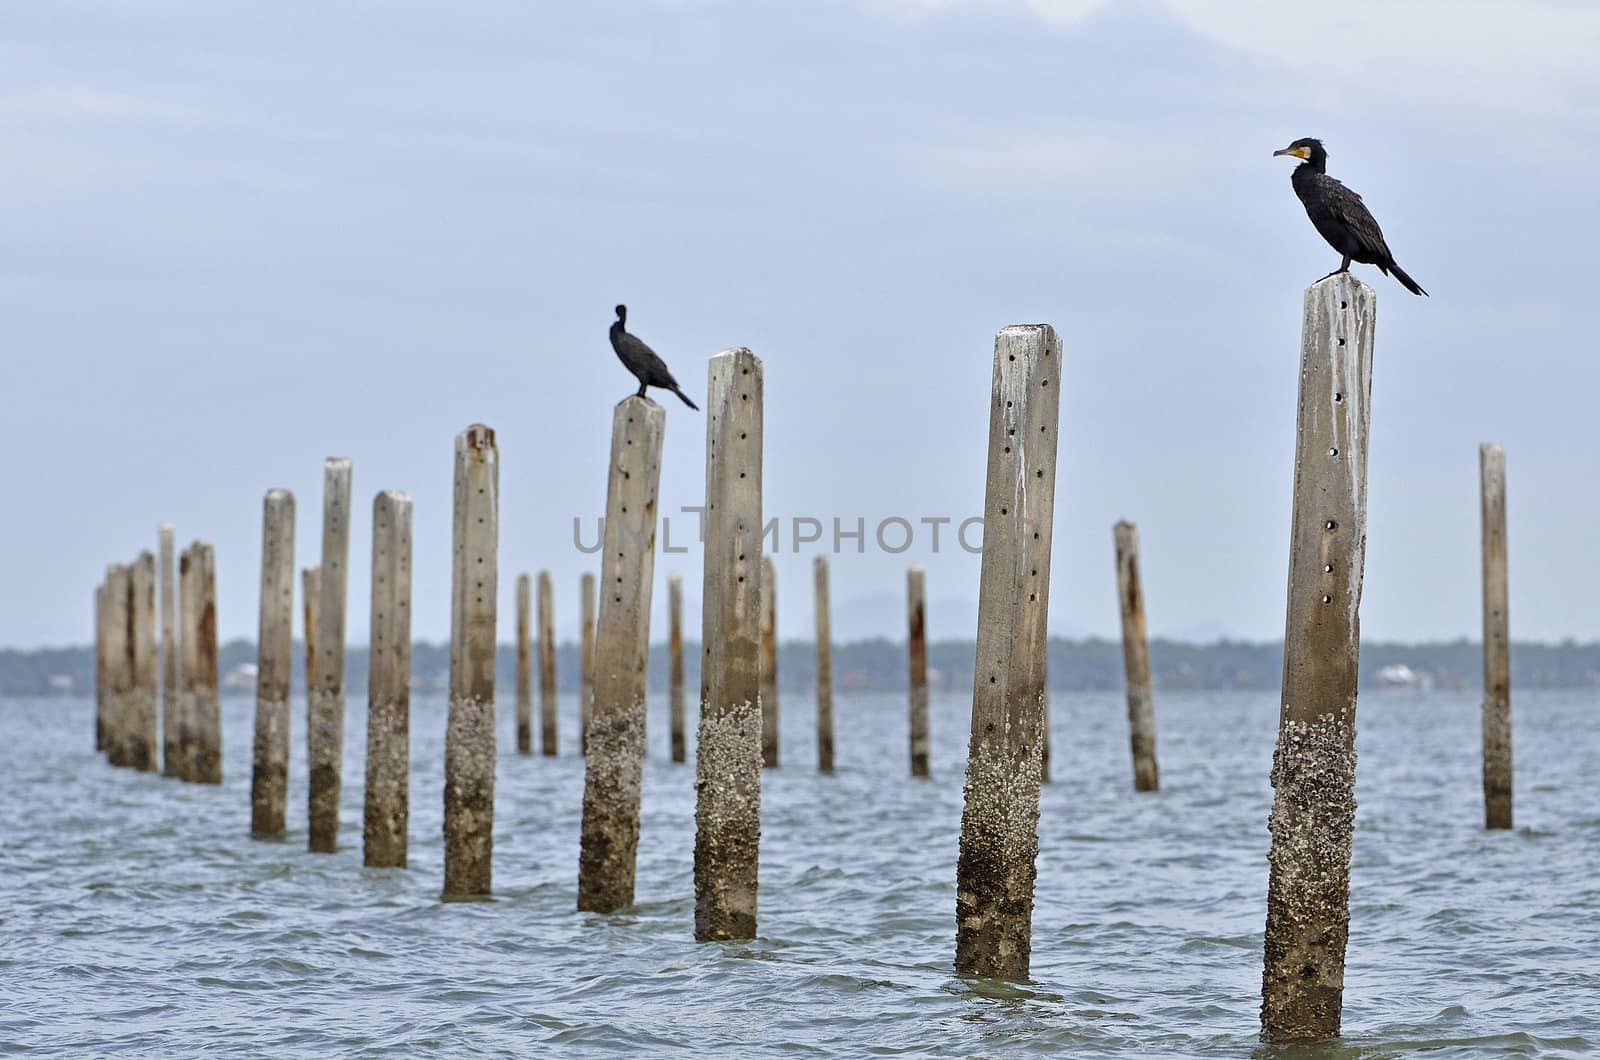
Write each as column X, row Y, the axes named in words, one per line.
column 1313, row 772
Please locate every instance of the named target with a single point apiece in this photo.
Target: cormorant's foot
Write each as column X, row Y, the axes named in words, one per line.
column 1332, row 274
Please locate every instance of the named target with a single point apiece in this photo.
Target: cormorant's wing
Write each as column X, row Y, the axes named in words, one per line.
column 1344, row 207
column 649, row 367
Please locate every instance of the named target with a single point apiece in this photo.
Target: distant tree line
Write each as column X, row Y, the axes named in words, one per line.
column 1092, row 664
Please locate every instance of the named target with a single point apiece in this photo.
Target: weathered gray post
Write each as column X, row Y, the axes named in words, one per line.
column 769, row 663
column 824, row 668
column 144, row 733
column 1496, row 641
column 547, row 665
column 585, row 661
column 387, row 807
column 675, row 704
column 1314, row 765
column 325, row 707
column 1136, row 658
column 524, row 664
column 469, row 733
column 610, row 833
column 118, row 620
column 917, row 655
column 170, row 754
column 205, row 705
column 100, row 667
column 188, row 665
column 728, row 751
column 1000, row 821
column 310, row 590
column 269, row 773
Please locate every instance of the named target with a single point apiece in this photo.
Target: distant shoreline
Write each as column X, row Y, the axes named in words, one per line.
column 1090, row 664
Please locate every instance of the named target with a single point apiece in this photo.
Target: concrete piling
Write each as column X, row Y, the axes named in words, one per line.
column 165, row 537
column 1000, row 820
column 325, row 705
column 144, row 732
column 585, row 660
column 118, row 620
column 310, row 590
column 769, row 663
column 1314, row 765
column 387, row 805
column 611, row 789
column 675, row 704
column 469, row 734
column 204, row 757
column 824, row 667
column 188, row 665
column 524, row 664
column 547, row 666
column 1136, row 658
column 1496, row 641
column 269, row 773
column 100, row 697
column 728, row 751
column 917, row 657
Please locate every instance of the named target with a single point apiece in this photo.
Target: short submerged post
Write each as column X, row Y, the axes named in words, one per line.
column 917, row 657
column 144, row 737
column 1314, row 766
column 205, row 706
column 1136, row 659
column 469, row 733
column 728, row 751
column 585, row 660
column 769, row 663
column 170, row 754
column 325, row 707
column 269, row 774
column 1496, row 641
column 547, row 666
column 675, row 704
column 387, row 808
column 611, row 786
column 824, row 668
column 524, row 664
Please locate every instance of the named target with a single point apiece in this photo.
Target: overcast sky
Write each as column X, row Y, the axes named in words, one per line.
column 238, row 240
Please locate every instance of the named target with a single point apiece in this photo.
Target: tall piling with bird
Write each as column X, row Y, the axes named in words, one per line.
column 728, row 750
column 269, row 767
column 675, row 692
column 1496, row 640
column 167, row 556
column 585, row 659
column 386, row 810
column 824, row 625
column 524, row 664
column 547, row 665
column 204, row 757
column 469, row 744
column 769, row 663
column 614, row 767
column 917, row 659
column 325, row 705
column 995, row 868
column 1136, row 659
column 1314, row 765
column 144, row 725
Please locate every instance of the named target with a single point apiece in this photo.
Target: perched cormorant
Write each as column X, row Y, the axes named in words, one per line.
column 1340, row 215
column 641, row 360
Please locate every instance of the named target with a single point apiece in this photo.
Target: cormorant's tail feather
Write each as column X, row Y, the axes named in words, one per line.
column 685, row 398
column 1406, row 281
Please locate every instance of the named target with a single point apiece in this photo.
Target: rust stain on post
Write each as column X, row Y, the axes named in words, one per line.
column 769, row 663
column 469, row 744
column 325, row 705
column 917, row 652
column 615, row 763
column 269, row 773
column 728, row 751
column 675, row 704
column 547, row 665
column 1136, row 659
column 995, row 869
column 1496, row 641
column 524, row 664
column 1314, row 766
column 819, row 573
column 387, row 807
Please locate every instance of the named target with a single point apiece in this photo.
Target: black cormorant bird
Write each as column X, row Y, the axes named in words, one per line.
column 1340, row 215
column 641, row 360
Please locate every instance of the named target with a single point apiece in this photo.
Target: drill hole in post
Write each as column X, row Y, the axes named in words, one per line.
column 1330, row 525
column 1327, row 568
column 1327, row 599
column 1331, row 452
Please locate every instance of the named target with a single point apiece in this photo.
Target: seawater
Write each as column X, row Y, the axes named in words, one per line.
column 138, row 918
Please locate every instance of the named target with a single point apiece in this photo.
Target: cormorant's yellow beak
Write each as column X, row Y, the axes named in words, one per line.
column 1297, row 152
